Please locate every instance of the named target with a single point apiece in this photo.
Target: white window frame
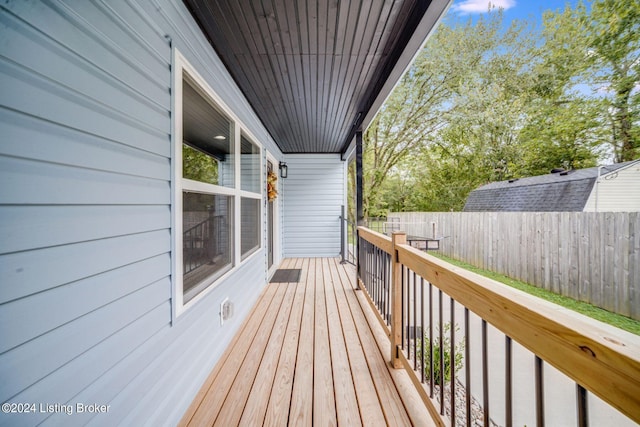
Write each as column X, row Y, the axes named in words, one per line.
column 179, row 184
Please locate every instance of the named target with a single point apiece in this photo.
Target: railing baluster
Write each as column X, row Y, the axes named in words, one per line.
column 359, row 259
column 485, row 374
column 414, row 323
column 408, row 318
column 539, row 374
column 467, row 364
column 372, row 291
column 431, row 379
column 441, row 350
column 363, row 260
column 378, row 276
column 376, row 281
column 374, row 248
column 389, row 290
column 582, row 404
column 385, row 290
column 383, row 304
column 508, row 393
column 369, row 266
column 452, row 361
column 422, row 330
column 385, row 283
column 402, row 313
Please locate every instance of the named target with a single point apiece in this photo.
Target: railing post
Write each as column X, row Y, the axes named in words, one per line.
column 344, row 239
column 358, row 261
column 396, row 299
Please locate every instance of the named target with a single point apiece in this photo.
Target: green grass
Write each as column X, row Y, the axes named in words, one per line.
column 592, row 311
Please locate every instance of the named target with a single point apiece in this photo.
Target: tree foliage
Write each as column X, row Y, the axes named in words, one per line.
column 486, row 103
column 613, row 39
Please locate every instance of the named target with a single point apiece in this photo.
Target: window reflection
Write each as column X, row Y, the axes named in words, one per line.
column 207, row 240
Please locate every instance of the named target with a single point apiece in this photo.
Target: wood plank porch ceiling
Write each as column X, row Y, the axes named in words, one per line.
column 313, row 71
column 310, row 353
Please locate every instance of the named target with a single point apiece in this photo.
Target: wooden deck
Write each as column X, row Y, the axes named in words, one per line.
column 310, row 353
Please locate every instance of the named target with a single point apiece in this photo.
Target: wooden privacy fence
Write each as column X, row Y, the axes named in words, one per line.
column 589, row 256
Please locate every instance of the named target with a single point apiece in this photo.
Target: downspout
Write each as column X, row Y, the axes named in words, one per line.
column 597, row 187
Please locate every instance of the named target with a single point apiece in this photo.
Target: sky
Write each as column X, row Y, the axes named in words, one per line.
column 513, row 9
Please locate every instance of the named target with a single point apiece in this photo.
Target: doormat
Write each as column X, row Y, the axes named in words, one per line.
column 286, row 275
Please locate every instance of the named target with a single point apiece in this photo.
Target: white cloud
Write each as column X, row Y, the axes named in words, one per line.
column 481, row 6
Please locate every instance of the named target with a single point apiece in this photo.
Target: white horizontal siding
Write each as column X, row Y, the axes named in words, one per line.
column 313, row 199
column 618, row 191
column 85, row 202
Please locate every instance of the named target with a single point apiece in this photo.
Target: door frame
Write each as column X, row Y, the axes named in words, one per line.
column 274, row 222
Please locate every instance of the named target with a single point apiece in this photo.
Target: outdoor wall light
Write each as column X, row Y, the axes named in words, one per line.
column 284, row 170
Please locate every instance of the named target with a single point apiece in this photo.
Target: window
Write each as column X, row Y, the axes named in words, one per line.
column 217, row 193
column 250, row 165
column 250, row 226
column 207, row 240
column 250, row 179
column 208, row 139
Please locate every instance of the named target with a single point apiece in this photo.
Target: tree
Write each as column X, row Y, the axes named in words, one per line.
column 562, row 120
column 560, row 135
column 425, row 98
column 599, row 48
column 483, row 104
column 614, row 44
column 480, row 141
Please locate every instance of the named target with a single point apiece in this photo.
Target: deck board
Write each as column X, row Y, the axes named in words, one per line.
column 394, row 412
column 207, row 404
column 256, row 406
column 308, row 355
column 368, row 400
column 324, row 405
column 301, row 410
column 277, row 411
column 345, row 395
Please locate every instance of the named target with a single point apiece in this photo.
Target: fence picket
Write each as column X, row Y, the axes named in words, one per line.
column 590, row 256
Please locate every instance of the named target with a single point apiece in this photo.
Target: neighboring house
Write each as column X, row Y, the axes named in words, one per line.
column 613, row 188
column 135, row 141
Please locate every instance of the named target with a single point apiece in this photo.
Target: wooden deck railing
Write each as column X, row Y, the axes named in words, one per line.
column 518, row 378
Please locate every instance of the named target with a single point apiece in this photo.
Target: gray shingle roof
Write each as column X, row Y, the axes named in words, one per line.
column 554, row 192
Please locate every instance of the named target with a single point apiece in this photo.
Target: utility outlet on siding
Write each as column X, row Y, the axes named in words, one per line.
column 226, row 310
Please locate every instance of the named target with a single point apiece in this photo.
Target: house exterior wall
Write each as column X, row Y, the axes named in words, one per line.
column 85, row 214
column 313, row 199
column 618, row 191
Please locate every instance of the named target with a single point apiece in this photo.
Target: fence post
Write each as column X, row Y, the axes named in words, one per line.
column 396, row 299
